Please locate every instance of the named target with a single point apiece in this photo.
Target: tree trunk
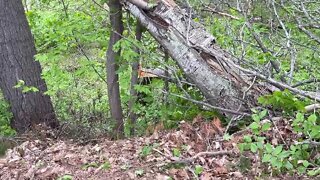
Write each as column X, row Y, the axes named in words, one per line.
column 226, row 85
column 134, row 82
column 205, row 64
column 17, row 52
column 112, row 67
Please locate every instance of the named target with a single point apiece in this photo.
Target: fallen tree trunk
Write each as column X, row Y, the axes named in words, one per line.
column 213, row 70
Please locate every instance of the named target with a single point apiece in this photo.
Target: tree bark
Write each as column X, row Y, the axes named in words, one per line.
column 112, row 67
column 205, row 64
column 134, row 82
column 17, row 52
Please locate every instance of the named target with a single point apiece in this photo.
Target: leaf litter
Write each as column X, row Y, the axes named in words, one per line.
column 194, row 151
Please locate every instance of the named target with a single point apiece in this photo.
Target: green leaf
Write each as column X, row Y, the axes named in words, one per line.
column 305, row 163
column 299, row 117
column 176, row 152
column 273, row 161
column 269, row 148
column 277, row 150
column 241, row 147
column 256, row 118
column 278, row 164
column 293, row 148
column 254, row 125
column 259, row 145
column 284, row 154
column 263, row 113
column 106, row 165
column 146, row 150
column 314, row 172
column 288, row 165
column 66, row 177
column 198, row 170
column 266, row 126
column 312, row 119
column 227, row 137
column 253, row 147
column 301, row 169
column 20, row 83
column 93, row 164
column 266, row 158
column 247, row 138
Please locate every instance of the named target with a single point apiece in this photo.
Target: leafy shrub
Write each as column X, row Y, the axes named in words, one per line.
column 295, row 157
column 5, row 118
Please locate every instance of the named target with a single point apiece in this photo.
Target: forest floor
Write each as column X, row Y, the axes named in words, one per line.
column 195, row 151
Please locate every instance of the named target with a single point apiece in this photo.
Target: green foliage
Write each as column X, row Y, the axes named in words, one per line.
column 283, row 100
column 66, row 177
column 310, row 126
column 198, row 170
column 295, row 158
column 147, row 150
column 25, row 88
column 5, row 118
column 93, row 164
column 106, row 165
column 176, row 152
column 71, row 45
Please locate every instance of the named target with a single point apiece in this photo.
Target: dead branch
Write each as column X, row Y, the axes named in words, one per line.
column 301, row 83
column 211, row 106
column 312, row 107
column 195, row 157
column 208, row 8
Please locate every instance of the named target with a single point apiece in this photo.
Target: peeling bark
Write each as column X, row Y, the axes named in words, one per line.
column 204, row 63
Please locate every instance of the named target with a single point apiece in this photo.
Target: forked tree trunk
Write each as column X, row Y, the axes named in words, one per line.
column 17, row 52
column 205, row 64
column 112, row 67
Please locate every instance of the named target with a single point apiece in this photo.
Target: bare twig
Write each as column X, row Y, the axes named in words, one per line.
column 313, row 80
column 312, row 107
column 208, row 8
column 312, row 143
column 211, row 106
column 193, row 158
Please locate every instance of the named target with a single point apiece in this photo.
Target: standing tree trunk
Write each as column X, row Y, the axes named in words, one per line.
column 17, row 52
column 112, row 67
column 134, row 82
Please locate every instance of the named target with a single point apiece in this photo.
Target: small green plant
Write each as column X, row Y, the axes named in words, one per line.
column 93, row 164
column 25, row 89
column 5, row 117
column 66, row 177
column 176, row 152
column 255, row 142
column 198, row 170
column 106, row 165
column 310, row 126
column 146, row 150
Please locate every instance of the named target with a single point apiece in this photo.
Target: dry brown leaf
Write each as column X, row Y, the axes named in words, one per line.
column 162, row 177
column 197, row 120
column 207, row 131
column 237, row 174
column 216, row 122
column 205, row 176
column 182, row 174
column 220, row 170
